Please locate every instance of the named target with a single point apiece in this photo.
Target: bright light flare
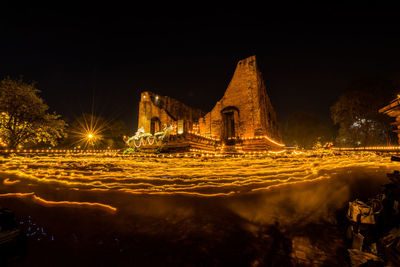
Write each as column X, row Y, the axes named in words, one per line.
column 89, row 131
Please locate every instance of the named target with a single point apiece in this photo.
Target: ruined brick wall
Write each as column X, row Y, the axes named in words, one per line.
column 268, row 117
column 166, row 109
column 246, row 92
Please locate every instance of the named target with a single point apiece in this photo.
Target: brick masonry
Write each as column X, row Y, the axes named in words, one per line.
column 165, row 111
column 245, row 106
column 253, row 111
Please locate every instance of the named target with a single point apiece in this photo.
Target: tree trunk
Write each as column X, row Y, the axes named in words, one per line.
column 13, row 143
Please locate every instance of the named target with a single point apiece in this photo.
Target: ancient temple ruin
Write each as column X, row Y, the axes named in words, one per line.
column 242, row 120
column 156, row 112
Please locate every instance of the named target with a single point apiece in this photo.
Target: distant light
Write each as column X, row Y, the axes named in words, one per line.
column 90, row 136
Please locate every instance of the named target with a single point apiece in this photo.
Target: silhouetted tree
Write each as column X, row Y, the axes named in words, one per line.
column 115, row 133
column 24, row 116
column 305, row 129
column 356, row 113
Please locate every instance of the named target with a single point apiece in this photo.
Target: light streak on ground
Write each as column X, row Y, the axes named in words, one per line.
column 54, row 178
column 17, row 195
column 9, row 182
column 73, row 203
column 49, row 203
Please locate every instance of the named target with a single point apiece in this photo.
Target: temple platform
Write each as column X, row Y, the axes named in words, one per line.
column 189, row 142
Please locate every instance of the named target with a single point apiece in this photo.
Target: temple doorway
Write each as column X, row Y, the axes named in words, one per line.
column 155, row 125
column 229, row 131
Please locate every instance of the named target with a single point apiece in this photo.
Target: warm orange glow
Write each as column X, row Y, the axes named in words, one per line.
column 199, row 173
column 89, row 132
column 17, row 195
column 50, row 203
column 9, row 182
column 377, row 148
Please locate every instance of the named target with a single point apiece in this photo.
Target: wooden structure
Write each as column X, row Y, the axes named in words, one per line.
column 393, row 110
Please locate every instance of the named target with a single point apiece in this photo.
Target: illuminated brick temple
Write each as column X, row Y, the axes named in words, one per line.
column 242, row 120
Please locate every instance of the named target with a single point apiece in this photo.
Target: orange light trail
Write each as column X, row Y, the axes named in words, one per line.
column 290, row 183
column 187, row 174
column 17, row 195
column 49, row 203
column 9, row 182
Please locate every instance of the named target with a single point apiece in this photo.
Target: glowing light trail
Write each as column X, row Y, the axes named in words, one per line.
column 9, row 182
column 83, row 176
column 50, row 203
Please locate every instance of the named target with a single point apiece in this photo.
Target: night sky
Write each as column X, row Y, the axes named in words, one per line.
column 106, row 55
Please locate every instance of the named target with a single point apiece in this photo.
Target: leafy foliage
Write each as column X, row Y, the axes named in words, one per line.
column 129, row 150
column 160, row 149
column 24, row 116
column 356, row 114
column 306, row 130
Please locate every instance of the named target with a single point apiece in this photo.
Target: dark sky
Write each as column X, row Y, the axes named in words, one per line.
column 109, row 54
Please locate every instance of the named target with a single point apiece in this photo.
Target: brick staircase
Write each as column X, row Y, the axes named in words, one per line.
column 229, row 149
